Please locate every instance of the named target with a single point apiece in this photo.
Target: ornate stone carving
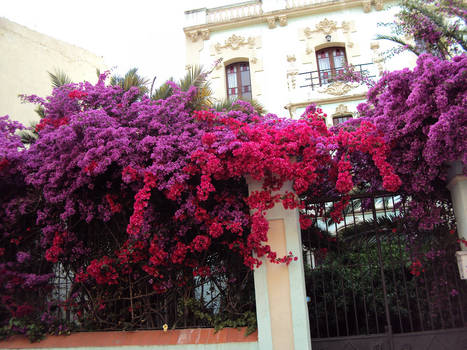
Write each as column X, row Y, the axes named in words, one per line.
column 379, row 5
column 205, row 34
column 291, row 58
column 309, row 50
column 194, row 36
column 283, row 20
column 366, row 6
column 292, row 80
column 341, row 109
column 374, row 45
column 337, row 88
column 326, row 26
column 235, row 42
column 345, row 26
column 253, row 60
column 271, row 22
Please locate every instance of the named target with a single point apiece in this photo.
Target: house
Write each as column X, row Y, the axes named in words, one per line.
column 289, row 53
column 26, row 58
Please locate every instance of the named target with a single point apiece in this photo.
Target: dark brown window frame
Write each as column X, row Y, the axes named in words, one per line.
column 332, row 70
column 240, row 86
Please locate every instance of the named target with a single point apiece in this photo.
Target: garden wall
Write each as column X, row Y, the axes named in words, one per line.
column 179, row 339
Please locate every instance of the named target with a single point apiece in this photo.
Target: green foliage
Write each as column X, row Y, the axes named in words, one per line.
column 59, row 78
column 434, row 26
column 34, row 331
column 131, row 79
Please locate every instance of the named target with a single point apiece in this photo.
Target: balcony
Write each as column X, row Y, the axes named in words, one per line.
column 319, row 78
column 251, row 10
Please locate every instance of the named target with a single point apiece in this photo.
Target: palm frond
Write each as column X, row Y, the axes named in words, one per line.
column 59, row 78
column 229, row 105
column 397, row 40
column 131, row 79
column 162, row 92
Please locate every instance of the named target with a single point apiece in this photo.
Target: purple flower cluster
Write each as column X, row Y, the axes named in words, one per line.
column 422, row 114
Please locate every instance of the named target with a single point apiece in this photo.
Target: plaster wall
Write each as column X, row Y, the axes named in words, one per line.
column 26, row 58
column 279, row 52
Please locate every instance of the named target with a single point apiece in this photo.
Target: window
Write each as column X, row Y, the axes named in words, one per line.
column 238, row 81
column 341, row 118
column 331, row 62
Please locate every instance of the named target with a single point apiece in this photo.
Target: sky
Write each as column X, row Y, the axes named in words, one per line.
column 147, row 34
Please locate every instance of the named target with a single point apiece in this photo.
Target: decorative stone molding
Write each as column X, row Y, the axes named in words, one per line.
column 366, row 6
column 237, row 48
column 291, row 58
column 379, row 5
column 194, row 36
column 326, row 26
column 377, row 58
column 292, row 79
column 235, row 42
column 273, row 20
column 342, row 35
column 341, row 110
column 282, row 20
column 337, row 88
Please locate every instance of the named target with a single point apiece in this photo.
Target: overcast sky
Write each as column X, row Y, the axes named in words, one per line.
column 139, row 33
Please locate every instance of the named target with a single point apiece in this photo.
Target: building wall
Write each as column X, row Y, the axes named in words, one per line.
column 26, row 58
column 280, row 38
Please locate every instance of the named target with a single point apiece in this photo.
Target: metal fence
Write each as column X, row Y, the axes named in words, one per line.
column 374, row 273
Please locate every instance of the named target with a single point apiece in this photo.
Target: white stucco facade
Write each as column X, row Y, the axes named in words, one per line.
column 26, row 58
column 280, row 38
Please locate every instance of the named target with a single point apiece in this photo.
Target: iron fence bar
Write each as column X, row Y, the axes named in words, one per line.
column 429, row 302
column 459, row 290
column 383, row 282
column 405, row 285
column 335, row 306
column 373, row 291
column 366, row 315
column 355, row 309
column 345, row 306
column 315, row 304
column 325, row 309
column 448, row 296
column 435, row 278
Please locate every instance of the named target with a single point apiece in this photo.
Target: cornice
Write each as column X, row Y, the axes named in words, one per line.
column 285, row 14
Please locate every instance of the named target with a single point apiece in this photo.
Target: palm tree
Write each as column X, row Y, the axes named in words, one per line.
column 197, row 76
column 59, row 78
column 131, row 79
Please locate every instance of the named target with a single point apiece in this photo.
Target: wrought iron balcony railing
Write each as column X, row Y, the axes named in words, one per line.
column 317, row 78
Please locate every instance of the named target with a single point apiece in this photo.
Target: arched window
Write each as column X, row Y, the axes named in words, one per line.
column 238, row 81
column 331, row 61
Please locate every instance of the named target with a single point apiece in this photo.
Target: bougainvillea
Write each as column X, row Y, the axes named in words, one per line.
column 422, row 113
column 429, row 26
column 135, row 198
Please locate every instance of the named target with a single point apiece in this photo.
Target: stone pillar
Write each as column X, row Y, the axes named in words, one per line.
column 457, row 185
column 280, row 292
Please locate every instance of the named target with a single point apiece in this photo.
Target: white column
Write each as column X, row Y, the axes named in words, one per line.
column 280, row 292
column 457, row 185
